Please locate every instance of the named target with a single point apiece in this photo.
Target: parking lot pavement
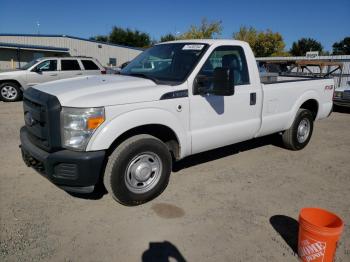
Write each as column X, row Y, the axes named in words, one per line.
column 233, row 204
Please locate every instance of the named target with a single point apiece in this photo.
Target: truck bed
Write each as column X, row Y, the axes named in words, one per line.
column 273, row 78
column 284, row 95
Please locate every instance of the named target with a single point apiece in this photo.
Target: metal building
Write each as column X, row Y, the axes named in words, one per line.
column 18, row 49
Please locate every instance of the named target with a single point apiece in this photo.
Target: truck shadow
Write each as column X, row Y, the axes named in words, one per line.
column 226, row 151
column 197, row 159
column 288, row 229
column 161, row 252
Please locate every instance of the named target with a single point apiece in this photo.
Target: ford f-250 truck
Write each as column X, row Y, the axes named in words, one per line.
column 173, row 100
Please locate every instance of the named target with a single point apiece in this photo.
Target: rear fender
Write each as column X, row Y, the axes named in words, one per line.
column 311, row 94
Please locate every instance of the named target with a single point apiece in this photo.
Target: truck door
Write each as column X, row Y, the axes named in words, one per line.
column 44, row 72
column 223, row 120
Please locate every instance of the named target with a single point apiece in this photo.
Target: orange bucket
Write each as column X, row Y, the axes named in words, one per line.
column 319, row 232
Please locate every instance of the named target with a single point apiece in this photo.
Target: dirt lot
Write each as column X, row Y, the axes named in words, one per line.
column 234, row 204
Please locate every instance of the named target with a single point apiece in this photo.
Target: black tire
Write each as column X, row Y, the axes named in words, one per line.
column 116, row 175
column 290, row 137
column 16, row 91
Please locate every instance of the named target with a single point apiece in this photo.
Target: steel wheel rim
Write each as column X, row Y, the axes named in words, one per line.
column 143, row 172
column 9, row 92
column 303, row 130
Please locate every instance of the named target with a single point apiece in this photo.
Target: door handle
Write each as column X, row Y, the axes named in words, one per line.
column 79, row 74
column 252, row 99
column 53, row 75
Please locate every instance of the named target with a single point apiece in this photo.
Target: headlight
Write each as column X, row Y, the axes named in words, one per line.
column 78, row 125
column 337, row 94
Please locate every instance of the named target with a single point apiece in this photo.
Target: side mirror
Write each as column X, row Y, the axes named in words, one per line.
column 36, row 70
column 124, row 64
column 223, row 82
column 220, row 84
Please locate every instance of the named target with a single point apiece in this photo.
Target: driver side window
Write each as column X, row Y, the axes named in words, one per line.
column 48, row 65
column 229, row 57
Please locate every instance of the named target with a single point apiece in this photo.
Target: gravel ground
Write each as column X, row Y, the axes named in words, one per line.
column 238, row 203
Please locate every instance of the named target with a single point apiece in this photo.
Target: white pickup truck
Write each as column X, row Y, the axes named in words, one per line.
column 174, row 100
column 45, row 69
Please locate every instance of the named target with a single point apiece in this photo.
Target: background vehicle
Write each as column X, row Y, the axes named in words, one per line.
column 342, row 96
column 112, row 70
column 46, row 69
column 128, row 129
column 124, row 64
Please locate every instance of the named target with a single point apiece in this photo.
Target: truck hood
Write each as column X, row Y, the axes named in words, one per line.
column 96, row 91
column 7, row 74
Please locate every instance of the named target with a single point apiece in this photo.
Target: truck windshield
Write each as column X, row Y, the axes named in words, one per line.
column 166, row 63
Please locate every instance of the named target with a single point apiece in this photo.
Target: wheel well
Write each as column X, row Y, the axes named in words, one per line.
column 311, row 105
column 11, row 81
column 163, row 133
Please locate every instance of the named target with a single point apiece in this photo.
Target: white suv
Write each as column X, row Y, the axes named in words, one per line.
column 45, row 69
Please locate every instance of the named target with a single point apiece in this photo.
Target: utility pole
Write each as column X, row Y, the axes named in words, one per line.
column 38, row 25
column 177, row 33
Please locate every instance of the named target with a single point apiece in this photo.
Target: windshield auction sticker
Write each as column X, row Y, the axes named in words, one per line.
column 193, row 47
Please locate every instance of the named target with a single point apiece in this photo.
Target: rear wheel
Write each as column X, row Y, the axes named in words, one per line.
column 138, row 170
column 299, row 134
column 10, row 92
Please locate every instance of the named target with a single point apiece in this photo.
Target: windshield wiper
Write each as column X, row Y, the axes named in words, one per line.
column 155, row 80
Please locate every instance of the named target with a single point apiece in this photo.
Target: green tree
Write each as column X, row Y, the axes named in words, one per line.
column 167, row 37
column 204, row 30
column 263, row 43
column 100, row 38
column 342, row 47
column 129, row 37
column 126, row 37
column 249, row 35
column 304, row 45
column 269, row 43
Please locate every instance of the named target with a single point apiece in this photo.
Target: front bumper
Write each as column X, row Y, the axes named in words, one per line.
column 72, row 171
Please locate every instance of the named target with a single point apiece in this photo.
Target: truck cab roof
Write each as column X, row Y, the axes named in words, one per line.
column 208, row 41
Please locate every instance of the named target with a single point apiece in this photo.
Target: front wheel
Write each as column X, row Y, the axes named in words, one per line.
column 299, row 134
column 10, row 92
column 138, row 170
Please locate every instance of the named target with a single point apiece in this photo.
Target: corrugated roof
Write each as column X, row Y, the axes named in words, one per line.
column 74, row 37
column 35, row 47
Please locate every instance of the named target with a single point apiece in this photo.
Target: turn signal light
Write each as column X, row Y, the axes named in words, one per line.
column 94, row 122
